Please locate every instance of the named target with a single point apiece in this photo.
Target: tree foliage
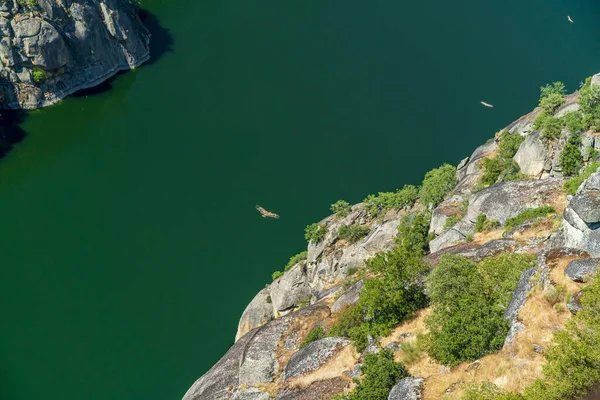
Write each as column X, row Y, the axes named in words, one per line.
column 436, row 184
column 468, row 304
column 315, row 232
column 384, row 201
column 503, row 167
column 353, row 233
column 379, row 375
column 341, row 208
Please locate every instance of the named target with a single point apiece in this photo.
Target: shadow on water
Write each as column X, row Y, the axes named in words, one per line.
column 161, row 42
column 10, row 131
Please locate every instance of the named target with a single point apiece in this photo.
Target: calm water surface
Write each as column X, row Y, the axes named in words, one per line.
column 130, row 243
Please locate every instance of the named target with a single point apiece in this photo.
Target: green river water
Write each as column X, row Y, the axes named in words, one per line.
column 130, row 244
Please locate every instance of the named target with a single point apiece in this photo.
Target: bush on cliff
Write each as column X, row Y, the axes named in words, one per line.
column 393, row 296
column 379, row 375
column 385, row 201
column 528, row 215
column 413, row 232
column 468, row 304
column 315, row 232
column 437, row 183
column 296, row 259
column 316, row 333
column 341, row 208
column 589, row 101
column 503, row 167
column 353, row 233
column 573, row 184
column 552, row 96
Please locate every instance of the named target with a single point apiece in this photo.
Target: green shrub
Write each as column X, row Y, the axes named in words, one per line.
column 573, row 121
column 379, row 375
column 296, row 259
column 503, row 167
column 276, row 274
column 316, row 333
column 552, row 96
column 589, row 101
column 528, row 215
column 413, row 232
column 27, row 3
column 468, row 305
column 573, row 364
column 483, row 224
column 385, row 201
column 39, row 75
column 353, row 233
column 451, row 221
column 392, row 296
column 268, row 299
column 570, row 159
column 341, row 208
column 573, row 184
column 549, row 125
column 315, row 232
column 469, row 238
column 437, row 183
column 556, row 294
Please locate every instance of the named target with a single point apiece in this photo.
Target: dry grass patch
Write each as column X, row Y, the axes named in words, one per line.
column 539, row 228
column 484, row 237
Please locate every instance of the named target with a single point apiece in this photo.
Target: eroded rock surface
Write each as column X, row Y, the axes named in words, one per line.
column 407, row 389
column 55, row 48
column 311, row 357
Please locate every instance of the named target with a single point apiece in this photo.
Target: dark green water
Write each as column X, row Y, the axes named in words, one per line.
column 130, row 243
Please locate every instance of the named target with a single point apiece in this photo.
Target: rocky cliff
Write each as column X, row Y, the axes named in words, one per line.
column 52, row 48
column 267, row 361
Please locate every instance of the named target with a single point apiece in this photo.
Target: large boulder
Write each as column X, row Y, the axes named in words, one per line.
column 458, row 233
column 469, row 170
column 581, row 270
column 532, row 154
column 313, row 356
column 257, row 313
column 57, row 48
column 507, row 199
column 581, row 219
column 290, row 289
column 407, row 389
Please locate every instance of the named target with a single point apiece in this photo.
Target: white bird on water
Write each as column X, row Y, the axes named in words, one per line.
column 487, row 104
column 569, row 18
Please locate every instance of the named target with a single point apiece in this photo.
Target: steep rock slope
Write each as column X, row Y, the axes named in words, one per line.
column 52, row 48
column 530, row 213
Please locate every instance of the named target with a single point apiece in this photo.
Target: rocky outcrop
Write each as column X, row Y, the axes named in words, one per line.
column 57, row 47
column 349, row 297
column 407, row 389
column 582, row 270
column 291, row 289
column 313, row 356
column 256, row 314
column 252, row 359
column 532, row 154
column 508, row 199
column 581, row 220
column 574, row 303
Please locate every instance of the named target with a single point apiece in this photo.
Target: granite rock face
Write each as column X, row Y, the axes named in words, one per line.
column 581, row 219
column 407, row 389
column 256, row 314
column 57, row 47
column 581, row 270
column 313, row 356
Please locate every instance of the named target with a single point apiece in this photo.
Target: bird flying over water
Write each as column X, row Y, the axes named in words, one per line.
column 569, row 18
column 266, row 213
column 487, row 104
